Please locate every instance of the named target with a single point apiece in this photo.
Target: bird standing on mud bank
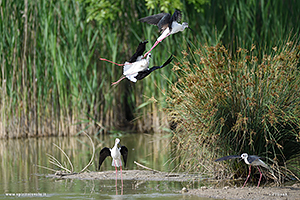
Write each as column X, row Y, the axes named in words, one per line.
column 115, row 153
column 249, row 160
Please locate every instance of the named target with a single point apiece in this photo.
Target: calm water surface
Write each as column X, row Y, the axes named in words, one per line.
column 20, row 177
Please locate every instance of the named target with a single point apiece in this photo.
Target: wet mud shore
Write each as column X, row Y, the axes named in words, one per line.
column 290, row 192
column 284, row 192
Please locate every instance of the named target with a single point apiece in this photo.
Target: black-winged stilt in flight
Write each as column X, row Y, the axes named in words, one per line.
column 166, row 23
column 135, row 64
column 115, row 153
column 130, row 70
column 137, row 67
column 249, row 160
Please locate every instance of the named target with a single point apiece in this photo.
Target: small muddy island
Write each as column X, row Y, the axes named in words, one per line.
column 227, row 192
column 144, row 175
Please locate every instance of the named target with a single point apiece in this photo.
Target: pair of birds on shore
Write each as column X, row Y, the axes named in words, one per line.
column 137, row 67
column 116, row 153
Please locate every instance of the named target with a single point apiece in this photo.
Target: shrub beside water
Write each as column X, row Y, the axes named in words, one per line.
column 228, row 103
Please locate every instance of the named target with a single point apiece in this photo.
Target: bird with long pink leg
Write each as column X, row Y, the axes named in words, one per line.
column 116, row 154
column 167, row 24
column 135, row 62
column 137, row 68
column 251, row 160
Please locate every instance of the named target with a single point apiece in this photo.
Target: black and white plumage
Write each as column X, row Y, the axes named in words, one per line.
column 138, row 55
column 131, row 70
column 135, row 64
column 137, row 67
column 115, row 153
column 166, row 23
column 141, row 73
column 251, row 160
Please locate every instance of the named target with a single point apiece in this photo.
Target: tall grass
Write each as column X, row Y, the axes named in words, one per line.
column 233, row 102
column 52, row 82
column 47, row 67
column 243, row 23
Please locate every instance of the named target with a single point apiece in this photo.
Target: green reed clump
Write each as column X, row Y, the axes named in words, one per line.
column 229, row 103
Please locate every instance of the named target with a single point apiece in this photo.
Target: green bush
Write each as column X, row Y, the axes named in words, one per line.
column 230, row 103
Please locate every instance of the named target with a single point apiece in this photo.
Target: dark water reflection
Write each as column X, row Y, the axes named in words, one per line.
column 20, row 176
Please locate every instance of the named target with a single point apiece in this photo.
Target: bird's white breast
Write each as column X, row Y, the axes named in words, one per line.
column 176, row 27
column 131, row 68
column 246, row 161
column 115, row 153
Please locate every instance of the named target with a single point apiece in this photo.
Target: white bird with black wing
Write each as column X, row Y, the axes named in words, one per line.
column 115, row 153
column 137, row 67
column 167, row 24
column 249, row 160
column 139, row 74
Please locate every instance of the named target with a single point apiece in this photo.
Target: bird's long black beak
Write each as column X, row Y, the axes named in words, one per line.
column 191, row 29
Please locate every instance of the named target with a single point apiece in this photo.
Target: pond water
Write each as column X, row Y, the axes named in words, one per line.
column 21, row 177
